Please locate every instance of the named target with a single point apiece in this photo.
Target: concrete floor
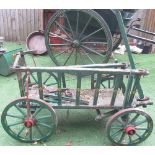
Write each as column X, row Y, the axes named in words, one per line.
column 80, row 129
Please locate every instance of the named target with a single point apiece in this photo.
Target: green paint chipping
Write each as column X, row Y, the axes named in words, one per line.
column 76, row 127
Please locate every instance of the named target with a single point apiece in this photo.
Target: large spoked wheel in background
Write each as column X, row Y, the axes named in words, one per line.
column 78, row 37
column 129, row 127
column 39, row 126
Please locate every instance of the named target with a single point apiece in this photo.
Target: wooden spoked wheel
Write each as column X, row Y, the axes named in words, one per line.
column 129, row 127
column 78, row 37
column 29, row 120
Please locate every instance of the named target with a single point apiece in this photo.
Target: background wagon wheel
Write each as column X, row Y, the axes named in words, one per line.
column 49, row 82
column 78, row 37
column 137, row 126
column 38, row 127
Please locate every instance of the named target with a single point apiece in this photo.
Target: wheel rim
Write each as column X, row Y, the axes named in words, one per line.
column 71, row 38
column 129, row 127
column 38, row 127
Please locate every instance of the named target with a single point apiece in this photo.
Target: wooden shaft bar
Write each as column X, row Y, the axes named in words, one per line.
column 40, row 85
column 20, row 83
column 97, row 88
column 115, row 90
column 78, row 89
column 127, row 91
column 90, row 71
column 59, row 89
column 134, row 88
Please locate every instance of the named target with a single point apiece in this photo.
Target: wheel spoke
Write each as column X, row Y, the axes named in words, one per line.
column 47, row 79
column 69, row 25
column 15, row 116
column 91, row 50
column 44, row 117
column 85, row 26
column 34, row 78
column 68, row 57
column 117, row 127
column 130, row 140
column 40, row 132
column 120, row 122
column 135, row 118
column 91, row 34
column 19, row 110
column 138, row 136
column 122, row 137
column 55, row 35
column 140, row 122
column 20, row 131
column 36, row 112
column 116, row 133
column 30, row 131
column 21, row 122
column 142, row 129
column 61, row 27
column 59, row 54
column 59, row 44
column 104, row 43
column 88, row 57
column 45, row 125
column 77, row 23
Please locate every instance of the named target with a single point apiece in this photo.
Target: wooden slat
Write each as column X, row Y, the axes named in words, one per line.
column 21, row 25
column 17, row 25
column 9, row 25
column 36, row 16
column 5, row 30
column 2, row 24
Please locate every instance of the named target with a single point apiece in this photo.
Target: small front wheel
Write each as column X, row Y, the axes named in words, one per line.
column 131, row 131
column 32, row 122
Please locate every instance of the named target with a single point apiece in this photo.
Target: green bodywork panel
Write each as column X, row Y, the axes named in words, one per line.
column 6, row 60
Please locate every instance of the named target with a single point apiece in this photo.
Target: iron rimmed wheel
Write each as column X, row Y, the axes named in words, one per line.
column 49, row 83
column 39, row 126
column 133, row 130
column 78, row 37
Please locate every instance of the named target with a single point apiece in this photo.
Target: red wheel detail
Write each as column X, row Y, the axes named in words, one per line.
column 29, row 122
column 130, row 130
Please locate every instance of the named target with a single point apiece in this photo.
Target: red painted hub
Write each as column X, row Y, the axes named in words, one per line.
column 29, row 122
column 130, row 130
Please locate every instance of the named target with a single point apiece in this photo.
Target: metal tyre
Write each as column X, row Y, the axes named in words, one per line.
column 133, row 130
column 39, row 126
column 78, row 37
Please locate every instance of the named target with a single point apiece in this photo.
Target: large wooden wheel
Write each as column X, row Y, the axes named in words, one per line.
column 129, row 127
column 78, row 37
column 29, row 120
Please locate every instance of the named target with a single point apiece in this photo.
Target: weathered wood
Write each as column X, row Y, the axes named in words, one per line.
column 2, row 25
column 17, row 25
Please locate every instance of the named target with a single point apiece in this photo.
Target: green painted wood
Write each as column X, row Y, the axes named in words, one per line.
column 127, row 92
column 78, row 89
column 134, row 89
column 97, row 88
column 6, row 61
column 40, row 85
column 59, row 89
column 115, row 90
